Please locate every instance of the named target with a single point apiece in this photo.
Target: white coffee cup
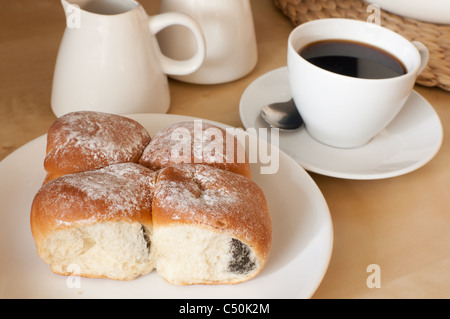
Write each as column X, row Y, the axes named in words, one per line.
column 343, row 111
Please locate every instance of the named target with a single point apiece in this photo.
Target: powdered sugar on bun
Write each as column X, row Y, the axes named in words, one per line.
column 196, row 142
column 120, row 192
column 214, row 199
column 82, row 141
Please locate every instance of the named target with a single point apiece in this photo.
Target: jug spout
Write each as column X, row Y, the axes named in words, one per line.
column 72, row 7
column 65, row 4
column 72, row 10
column 69, row 4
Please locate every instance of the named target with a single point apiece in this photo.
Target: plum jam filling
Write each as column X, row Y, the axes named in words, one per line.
column 242, row 260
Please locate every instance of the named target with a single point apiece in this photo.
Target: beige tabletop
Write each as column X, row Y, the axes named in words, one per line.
column 401, row 224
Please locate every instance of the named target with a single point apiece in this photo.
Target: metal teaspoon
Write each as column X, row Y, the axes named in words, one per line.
column 282, row 115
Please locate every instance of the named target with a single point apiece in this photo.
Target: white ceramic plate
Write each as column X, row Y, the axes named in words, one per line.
column 434, row 11
column 408, row 143
column 302, row 237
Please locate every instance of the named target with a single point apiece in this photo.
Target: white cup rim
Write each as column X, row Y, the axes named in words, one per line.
column 410, row 71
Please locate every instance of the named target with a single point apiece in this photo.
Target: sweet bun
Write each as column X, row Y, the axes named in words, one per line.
column 196, row 142
column 119, row 204
column 210, row 226
column 85, row 140
column 98, row 221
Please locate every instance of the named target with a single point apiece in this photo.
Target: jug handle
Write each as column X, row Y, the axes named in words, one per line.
column 177, row 67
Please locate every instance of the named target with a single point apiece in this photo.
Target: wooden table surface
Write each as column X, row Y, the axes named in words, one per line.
column 401, row 224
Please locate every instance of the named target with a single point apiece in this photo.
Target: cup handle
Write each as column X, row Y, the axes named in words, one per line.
column 176, row 67
column 424, row 55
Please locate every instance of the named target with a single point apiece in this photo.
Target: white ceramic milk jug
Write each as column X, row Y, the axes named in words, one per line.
column 231, row 50
column 109, row 59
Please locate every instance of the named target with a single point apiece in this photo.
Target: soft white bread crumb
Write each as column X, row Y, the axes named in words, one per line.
column 193, row 255
column 115, row 250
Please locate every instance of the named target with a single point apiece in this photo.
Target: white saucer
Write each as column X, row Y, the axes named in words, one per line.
column 299, row 258
column 408, row 143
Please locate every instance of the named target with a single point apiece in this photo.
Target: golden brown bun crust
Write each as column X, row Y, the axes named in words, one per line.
column 167, row 148
column 212, row 198
column 83, row 141
column 120, row 192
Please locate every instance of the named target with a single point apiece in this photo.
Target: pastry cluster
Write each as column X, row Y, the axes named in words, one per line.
column 117, row 203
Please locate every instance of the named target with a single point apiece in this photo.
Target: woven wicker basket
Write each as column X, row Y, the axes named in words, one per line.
column 435, row 37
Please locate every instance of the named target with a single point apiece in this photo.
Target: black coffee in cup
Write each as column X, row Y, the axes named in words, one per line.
column 353, row 59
